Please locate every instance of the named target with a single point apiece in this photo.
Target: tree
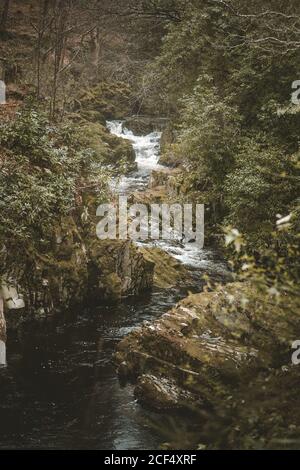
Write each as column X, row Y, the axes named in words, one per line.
column 4, row 15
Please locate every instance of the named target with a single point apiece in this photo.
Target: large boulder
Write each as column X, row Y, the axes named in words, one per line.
column 109, row 149
column 207, row 345
column 168, row 271
column 117, row 269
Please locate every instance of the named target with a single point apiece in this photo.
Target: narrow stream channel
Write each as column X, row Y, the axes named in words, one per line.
column 60, row 389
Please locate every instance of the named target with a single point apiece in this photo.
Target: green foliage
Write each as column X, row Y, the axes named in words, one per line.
column 275, row 269
column 262, row 183
column 229, row 96
column 208, row 133
column 41, row 169
column 108, row 100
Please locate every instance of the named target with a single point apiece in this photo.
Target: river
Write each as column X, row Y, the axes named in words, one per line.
column 60, row 389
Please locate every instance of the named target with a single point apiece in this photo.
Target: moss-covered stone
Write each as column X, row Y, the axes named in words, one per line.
column 212, row 343
column 168, row 272
column 110, row 149
column 110, row 100
column 117, row 269
column 142, row 125
column 170, row 158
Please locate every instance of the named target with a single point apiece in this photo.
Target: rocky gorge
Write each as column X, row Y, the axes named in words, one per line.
column 81, row 270
column 198, row 354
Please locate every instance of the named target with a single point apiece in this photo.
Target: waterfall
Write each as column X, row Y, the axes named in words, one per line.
column 115, row 127
column 146, row 148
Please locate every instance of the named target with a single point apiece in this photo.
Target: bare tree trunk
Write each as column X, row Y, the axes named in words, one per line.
column 4, row 15
column 59, row 49
column 40, row 35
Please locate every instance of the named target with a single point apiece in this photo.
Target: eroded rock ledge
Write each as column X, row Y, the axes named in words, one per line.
column 205, row 347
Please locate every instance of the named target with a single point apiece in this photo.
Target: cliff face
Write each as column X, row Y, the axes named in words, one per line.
column 117, row 269
column 79, row 267
column 206, row 347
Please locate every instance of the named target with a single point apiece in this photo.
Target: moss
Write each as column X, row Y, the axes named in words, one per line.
column 110, row 100
column 117, row 269
column 168, row 272
column 214, row 343
column 142, row 125
column 109, row 149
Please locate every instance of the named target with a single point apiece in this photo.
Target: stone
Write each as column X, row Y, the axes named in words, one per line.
column 162, row 393
column 208, row 345
column 168, row 272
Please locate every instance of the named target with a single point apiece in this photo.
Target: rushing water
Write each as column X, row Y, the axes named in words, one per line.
column 147, row 155
column 60, row 388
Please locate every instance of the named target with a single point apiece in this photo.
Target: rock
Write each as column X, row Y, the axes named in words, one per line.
column 170, row 179
column 109, row 148
column 9, row 294
column 80, row 267
column 161, row 393
column 117, row 269
column 141, row 125
column 170, row 159
column 208, row 344
column 123, row 370
column 155, row 195
column 168, row 272
column 165, row 186
column 161, row 177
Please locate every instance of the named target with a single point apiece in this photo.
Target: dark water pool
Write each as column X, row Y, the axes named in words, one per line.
column 60, row 389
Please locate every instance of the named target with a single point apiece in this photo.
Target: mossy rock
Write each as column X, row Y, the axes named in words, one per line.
column 60, row 277
column 168, row 272
column 110, row 100
column 212, row 343
column 117, row 269
column 170, row 159
column 141, row 125
column 109, row 148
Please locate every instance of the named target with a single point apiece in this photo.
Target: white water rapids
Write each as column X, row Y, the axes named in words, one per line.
column 147, row 151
